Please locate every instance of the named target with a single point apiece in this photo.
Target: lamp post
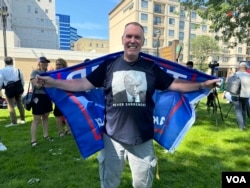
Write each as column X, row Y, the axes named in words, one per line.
column 158, row 34
column 189, row 35
column 4, row 15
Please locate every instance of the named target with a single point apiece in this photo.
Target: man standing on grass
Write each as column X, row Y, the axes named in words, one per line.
column 240, row 102
column 129, row 128
column 11, row 74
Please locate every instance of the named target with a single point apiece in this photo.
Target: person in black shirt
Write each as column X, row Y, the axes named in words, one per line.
column 129, row 128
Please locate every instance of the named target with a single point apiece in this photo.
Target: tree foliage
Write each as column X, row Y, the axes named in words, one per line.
column 201, row 48
column 230, row 19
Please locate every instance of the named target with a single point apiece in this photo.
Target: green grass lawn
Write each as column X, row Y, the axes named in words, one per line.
column 206, row 151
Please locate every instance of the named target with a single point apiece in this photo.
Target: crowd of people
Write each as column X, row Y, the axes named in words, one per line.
column 129, row 129
column 42, row 105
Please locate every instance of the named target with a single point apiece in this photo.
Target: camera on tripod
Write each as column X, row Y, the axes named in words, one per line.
column 212, row 98
column 213, row 64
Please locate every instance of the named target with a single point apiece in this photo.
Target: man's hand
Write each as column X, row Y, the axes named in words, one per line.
column 45, row 81
column 209, row 84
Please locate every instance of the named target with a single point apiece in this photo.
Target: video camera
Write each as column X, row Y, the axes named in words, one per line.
column 213, row 64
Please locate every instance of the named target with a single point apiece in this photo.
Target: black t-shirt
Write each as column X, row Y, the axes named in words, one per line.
column 128, row 89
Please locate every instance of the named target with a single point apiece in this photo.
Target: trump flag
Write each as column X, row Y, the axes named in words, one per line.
column 173, row 114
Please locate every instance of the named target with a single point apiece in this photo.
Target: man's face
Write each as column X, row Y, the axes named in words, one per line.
column 132, row 40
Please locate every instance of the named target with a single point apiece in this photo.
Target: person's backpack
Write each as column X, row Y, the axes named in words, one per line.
column 14, row 88
column 233, row 85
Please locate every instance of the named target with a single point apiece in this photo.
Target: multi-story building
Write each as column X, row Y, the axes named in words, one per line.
column 165, row 21
column 248, row 47
column 92, row 45
column 73, row 37
column 33, row 23
column 32, row 27
column 63, row 25
column 32, row 32
column 67, row 35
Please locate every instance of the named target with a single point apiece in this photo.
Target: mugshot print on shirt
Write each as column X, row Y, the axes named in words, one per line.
column 129, row 87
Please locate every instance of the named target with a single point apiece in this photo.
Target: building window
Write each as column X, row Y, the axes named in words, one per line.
column 144, row 17
column 145, row 29
column 170, row 43
column 248, row 51
column 240, row 59
column 157, row 20
column 144, row 4
column 182, row 14
column 193, row 26
column 46, row 11
column 192, row 36
column 193, row 15
column 225, row 50
column 171, row 33
column 36, row 11
column 156, row 32
column 145, row 42
column 181, row 25
column 225, row 59
column 204, row 28
column 171, row 9
column 181, row 35
column 50, row 1
column 155, row 44
column 171, row 21
column 158, row 9
column 240, row 50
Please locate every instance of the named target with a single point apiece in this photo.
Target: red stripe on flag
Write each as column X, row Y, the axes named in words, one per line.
column 172, row 112
column 86, row 115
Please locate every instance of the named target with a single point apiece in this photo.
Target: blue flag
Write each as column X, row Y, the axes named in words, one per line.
column 173, row 114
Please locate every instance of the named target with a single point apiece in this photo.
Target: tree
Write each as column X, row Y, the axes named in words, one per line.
column 201, row 48
column 230, row 19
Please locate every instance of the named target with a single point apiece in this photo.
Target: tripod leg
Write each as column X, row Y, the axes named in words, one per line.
column 196, row 105
column 216, row 95
column 229, row 110
column 215, row 112
column 248, row 111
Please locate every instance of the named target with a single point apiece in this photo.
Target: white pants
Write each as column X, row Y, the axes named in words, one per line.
column 112, row 160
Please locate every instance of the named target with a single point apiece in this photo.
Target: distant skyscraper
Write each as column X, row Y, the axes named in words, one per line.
column 67, row 35
column 63, row 24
